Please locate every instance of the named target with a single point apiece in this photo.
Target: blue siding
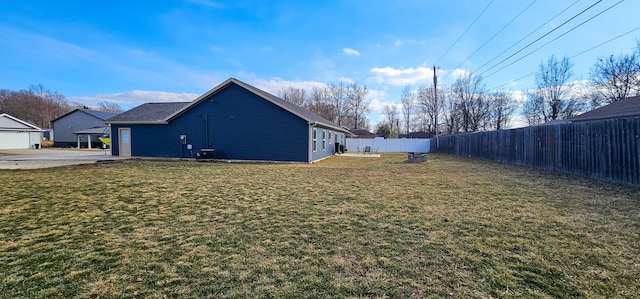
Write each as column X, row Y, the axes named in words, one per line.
column 238, row 124
column 329, row 143
column 78, row 120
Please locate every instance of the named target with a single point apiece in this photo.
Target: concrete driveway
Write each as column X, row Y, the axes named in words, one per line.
column 43, row 158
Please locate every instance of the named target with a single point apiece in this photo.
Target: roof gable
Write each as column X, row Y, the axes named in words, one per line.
column 97, row 114
column 8, row 122
column 305, row 114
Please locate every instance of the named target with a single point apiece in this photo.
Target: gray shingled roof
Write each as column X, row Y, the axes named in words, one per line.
column 148, row 113
column 628, row 107
column 362, row 133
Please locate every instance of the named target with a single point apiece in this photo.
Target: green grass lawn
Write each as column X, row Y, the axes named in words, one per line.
column 344, row 227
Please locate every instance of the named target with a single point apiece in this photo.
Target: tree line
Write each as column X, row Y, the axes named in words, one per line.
column 344, row 104
column 39, row 105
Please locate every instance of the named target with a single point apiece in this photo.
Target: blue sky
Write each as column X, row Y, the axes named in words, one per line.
column 131, row 52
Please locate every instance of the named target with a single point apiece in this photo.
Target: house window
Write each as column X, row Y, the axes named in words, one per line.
column 324, row 140
column 315, row 140
column 329, row 136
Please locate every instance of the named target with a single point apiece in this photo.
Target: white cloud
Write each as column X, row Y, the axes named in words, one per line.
column 400, row 43
column 401, row 77
column 517, row 121
column 519, row 96
column 459, row 72
column 377, row 99
column 350, row 51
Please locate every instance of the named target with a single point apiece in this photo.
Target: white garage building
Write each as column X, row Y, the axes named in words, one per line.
column 18, row 134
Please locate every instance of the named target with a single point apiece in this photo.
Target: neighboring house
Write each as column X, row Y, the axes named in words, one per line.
column 18, row 134
column 232, row 121
column 358, row 133
column 628, row 107
column 80, row 127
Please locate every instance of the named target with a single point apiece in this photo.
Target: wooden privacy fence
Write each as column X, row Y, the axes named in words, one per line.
column 606, row 150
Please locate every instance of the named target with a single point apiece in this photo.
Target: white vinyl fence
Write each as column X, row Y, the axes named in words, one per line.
column 382, row 145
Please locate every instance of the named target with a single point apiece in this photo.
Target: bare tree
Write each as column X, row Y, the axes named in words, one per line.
column 615, row 78
column 4, row 95
column 502, row 108
column 453, row 115
column 37, row 105
column 357, row 104
column 533, row 108
column 338, row 97
column 107, row 106
column 294, row 95
column 472, row 102
column 408, row 100
column 552, row 99
column 319, row 102
column 391, row 116
column 428, row 107
column 52, row 104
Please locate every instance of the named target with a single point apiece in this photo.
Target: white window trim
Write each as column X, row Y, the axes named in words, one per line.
column 324, row 140
column 315, row 139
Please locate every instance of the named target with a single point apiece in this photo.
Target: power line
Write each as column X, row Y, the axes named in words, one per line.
column 574, row 56
column 606, row 42
column 568, row 31
column 465, row 31
column 496, row 34
column 541, row 37
column 530, row 33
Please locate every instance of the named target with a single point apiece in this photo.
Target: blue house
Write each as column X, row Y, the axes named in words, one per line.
column 232, row 121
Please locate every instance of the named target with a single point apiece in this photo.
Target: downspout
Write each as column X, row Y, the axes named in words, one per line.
column 310, row 141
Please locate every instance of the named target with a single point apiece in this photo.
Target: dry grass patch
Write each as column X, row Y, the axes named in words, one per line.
column 345, row 227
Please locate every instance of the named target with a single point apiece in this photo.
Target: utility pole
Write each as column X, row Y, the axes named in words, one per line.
column 435, row 97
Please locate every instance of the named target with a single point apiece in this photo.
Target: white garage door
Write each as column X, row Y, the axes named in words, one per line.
column 14, row 140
